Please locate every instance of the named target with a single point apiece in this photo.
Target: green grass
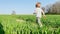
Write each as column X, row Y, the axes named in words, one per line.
column 9, row 25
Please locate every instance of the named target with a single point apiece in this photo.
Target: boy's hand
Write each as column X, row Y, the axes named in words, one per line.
column 44, row 16
column 34, row 13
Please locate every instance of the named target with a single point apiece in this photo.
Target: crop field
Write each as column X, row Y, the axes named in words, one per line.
column 26, row 24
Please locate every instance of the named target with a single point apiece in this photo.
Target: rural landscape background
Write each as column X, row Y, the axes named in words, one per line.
column 16, row 17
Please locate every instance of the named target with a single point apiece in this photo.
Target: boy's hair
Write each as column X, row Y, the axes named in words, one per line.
column 37, row 4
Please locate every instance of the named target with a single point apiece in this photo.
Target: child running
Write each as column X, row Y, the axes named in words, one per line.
column 38, row 11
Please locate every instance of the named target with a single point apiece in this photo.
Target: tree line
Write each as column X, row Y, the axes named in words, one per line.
column 53, row 8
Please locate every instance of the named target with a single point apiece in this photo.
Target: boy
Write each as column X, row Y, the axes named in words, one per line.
column 38, row 13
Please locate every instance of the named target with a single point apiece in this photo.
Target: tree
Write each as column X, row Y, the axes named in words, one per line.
column 55, row 8
column 13, row 13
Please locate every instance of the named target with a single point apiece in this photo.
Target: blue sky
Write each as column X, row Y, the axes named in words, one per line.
column 21, row 6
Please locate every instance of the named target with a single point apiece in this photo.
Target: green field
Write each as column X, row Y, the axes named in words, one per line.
column 25, row 24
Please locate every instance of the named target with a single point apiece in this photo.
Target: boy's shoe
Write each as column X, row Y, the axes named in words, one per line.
column 41, row 25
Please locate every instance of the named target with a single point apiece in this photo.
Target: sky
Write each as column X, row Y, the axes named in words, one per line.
column 21, row 6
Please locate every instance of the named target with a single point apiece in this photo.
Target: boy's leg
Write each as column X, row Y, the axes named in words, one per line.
column 39, row 22
column 36, row 20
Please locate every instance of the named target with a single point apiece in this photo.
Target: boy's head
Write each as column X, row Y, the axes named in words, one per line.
column 38, row 4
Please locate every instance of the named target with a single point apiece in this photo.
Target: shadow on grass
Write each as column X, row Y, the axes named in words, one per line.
column 1, row 29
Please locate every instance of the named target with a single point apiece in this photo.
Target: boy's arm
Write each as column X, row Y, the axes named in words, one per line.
column 43, row 13
column 35, row 12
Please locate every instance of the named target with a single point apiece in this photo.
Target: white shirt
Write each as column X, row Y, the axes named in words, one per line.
column 39, row 12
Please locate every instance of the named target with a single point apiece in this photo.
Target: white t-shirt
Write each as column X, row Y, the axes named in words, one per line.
column 39, row 12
